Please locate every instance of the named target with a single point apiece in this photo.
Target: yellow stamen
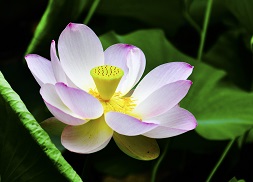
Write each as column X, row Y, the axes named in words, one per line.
column 106, row 79
column 116, row 103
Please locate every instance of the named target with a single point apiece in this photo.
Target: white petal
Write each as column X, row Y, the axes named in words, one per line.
column 160, row 76
column 56, row 65
column 80, row 50
column 41, row 69
column 163, row 99
column 176, row 117
column 87, row 138
column 67, row 118
column 164, row 132
column 173, row 122
column 127, row 125
column 79, row 101
column 101, row 146
column 57, row 107
column 131, row 60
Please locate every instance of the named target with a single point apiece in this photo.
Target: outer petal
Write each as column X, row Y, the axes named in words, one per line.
column 129, row 58
column 56, row 65
column 174, row 122
column 79, row 101
column 80, row 50
column 57, row 107
column 41, row 69
column 160, row 76
column 138, row 147
column 163, row 99
column 87, row 138
column 127, row 125
column 164, row 132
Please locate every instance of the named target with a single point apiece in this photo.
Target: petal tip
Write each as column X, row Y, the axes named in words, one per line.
column 187, row 82
column 31, row 55
column 128, row 45
column 193, row 121
column 188, row 65
column 70, row 24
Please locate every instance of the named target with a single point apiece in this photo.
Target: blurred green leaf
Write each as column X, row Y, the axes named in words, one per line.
column 161, row 13
column 230, row 54
column 235, row 180
column 57, row 15
column 197, row 8
column 222, row 110
column 26, row 152
column 242, row 10
column 138, row 147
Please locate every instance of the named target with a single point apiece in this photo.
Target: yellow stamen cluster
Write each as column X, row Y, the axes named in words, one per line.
column 116, row 103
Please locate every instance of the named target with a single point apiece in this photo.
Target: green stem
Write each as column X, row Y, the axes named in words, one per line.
column 91, row 11
column 157, row 164
column 225, row 152
column 204, row 29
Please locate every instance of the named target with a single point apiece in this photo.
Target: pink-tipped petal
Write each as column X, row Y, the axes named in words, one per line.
column 131, row 60
column 87, row 138
column 80, row 50
column 41, row 69
column 56, row 65
column 79, row 101
column 67, row 118
column 163, row 99
column 160, row 76
column 173, row 122
column 57, row 107
column 127, row 125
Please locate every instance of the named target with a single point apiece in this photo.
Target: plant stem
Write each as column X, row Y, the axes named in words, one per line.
column 91, row 11
column 157, row 164
column 225, row 152
column 204, row 29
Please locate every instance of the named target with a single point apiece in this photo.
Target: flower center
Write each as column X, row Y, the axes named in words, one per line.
column 106, row 79
column 117, row 103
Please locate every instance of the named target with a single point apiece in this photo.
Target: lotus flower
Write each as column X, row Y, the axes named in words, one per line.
column 90, row 91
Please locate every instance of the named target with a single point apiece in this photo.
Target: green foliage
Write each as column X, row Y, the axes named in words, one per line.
column 242, row 10
column 230, row 54
column 165, row 14
column 220, row 98
column 26, row 152
column 235, row 180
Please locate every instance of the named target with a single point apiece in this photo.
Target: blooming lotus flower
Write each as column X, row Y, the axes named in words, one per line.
column 89, row 90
